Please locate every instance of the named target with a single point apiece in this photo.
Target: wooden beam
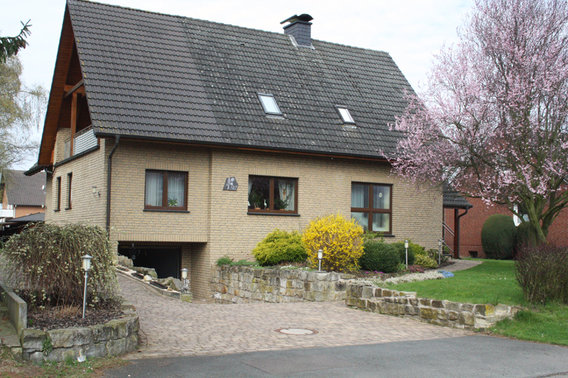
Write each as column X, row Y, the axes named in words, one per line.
column 73, row 120
column 70, row 89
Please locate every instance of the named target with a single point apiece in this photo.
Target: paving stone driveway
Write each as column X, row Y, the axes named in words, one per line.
column 171, row 327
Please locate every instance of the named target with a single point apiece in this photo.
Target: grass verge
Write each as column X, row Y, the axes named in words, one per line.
column 14, row 367
column 494, row 282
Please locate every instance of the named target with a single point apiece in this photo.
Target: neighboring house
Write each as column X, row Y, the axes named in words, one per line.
column 190, row 140
column 472, row 224
column 21, row 195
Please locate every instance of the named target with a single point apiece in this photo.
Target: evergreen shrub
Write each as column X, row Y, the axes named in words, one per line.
column 280, row 246
column 498, row 237
column 379, row 256
column 340, row 240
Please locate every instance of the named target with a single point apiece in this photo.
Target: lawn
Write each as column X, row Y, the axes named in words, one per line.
column 494, row 282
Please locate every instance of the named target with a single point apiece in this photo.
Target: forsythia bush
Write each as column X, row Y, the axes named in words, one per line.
column 280, row 246
column 340, row 240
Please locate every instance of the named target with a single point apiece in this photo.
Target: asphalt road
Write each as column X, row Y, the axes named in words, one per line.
column 470, row 356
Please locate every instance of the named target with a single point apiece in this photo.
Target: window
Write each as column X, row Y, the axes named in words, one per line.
column 345, row 115
column 58, row 194
column 371, row 206
column 165, row 190
column 69, row 196
column 273, row 195
column 269, row 104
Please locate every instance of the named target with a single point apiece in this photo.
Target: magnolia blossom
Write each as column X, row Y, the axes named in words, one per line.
column 493, row 121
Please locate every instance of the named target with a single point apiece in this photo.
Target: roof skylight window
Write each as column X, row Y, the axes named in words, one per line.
column 345, row 115
column 269, row 104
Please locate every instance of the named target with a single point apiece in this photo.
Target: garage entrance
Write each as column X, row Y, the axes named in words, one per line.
column 166, row 260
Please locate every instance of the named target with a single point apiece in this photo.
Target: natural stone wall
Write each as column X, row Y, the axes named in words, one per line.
column 400, row 303
column 242, row 284
column 115, row 337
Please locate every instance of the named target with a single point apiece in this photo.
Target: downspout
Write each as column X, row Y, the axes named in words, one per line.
column 458, row 231
column 109, row 175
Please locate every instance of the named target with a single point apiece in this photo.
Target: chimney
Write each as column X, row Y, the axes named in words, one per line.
column 299, row 27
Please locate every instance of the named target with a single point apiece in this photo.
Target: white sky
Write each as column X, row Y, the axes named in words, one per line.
column 411, row 31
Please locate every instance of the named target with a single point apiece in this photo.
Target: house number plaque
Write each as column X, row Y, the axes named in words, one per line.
column 231, row 184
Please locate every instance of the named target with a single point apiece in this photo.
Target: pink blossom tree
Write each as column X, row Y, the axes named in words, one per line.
column 493, row 121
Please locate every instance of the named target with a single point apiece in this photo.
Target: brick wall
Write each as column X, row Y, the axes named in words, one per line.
column 472, row 224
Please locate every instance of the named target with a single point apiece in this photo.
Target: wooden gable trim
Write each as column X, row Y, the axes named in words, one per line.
column 70, row 89
column 64, row 54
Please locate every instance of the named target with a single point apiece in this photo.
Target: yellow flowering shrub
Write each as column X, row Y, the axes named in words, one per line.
column 340, row 240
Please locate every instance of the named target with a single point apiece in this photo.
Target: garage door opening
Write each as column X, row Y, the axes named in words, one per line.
column 165, row 260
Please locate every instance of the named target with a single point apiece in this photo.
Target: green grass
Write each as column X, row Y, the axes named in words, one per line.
column 494, row 282
column 491, row 282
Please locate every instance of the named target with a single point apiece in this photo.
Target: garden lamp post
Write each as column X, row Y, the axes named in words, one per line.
column 439, row 252
column 406, row 252
column 185, row 286
column 320, row 257
column 86, row 268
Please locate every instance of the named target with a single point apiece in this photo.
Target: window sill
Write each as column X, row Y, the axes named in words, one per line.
column 277, row 214
column 68, row 208
column 166, row 211
column 56, row 210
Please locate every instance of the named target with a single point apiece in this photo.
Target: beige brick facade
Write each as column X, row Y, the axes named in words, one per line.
column 217, row 223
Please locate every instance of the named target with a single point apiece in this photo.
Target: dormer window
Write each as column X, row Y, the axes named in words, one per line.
column 269, row 104
column 345, row 115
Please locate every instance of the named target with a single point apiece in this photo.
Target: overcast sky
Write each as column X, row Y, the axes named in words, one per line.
column 411, row 31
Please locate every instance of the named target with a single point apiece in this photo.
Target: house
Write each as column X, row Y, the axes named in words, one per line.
column 21, row 195
column 190, row 140
column 471, row 226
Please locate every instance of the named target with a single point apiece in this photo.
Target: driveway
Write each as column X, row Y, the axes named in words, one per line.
column 170, row 327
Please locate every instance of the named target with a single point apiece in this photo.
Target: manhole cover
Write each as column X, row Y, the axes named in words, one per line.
column 296, row 331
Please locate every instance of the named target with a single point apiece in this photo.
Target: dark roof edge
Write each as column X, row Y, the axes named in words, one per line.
column 35, row 169
column 248, row 147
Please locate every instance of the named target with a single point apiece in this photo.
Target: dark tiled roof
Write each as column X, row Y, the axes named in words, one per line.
column 175, row 78
column 453, row 199
column 24, row 190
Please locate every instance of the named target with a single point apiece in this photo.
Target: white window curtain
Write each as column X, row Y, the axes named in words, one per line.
column 154, row 188
column 287, row 191
column 176, row 189
column 359, row 195
column 250, row 188
column 381, row 197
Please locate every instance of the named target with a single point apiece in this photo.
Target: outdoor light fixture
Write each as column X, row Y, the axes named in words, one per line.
column 185, row 287
column 86, row 268
column 406, row 252
column 440, row 241
column 320, row 257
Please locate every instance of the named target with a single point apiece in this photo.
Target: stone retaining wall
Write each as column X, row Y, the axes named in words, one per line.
column 115, row 337
column 400, row 303
column 242, row 284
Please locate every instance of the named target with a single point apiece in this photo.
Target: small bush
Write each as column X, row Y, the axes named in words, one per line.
column 340, row 240
column 278, row 247
column 413, row 250
column 225, row 260
column 542, row 273
column 498, row 237
column 434, row 254
column 426, row 262
column 45, row 261
column 379, row 256
column 415, row 269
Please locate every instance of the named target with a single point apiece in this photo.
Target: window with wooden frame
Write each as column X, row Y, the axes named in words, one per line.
column 69, row 195
column 58, row 193
column 165, row 190
column 371, row 206
column 273, row 195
